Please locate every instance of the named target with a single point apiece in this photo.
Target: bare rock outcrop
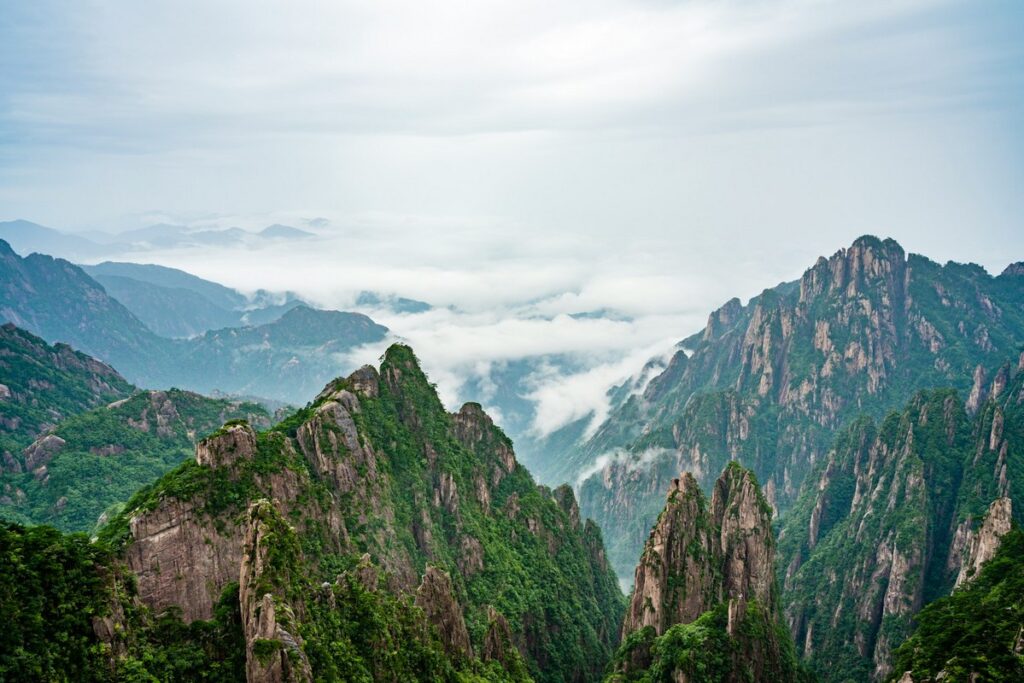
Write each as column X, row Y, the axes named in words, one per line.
column 232, row 443
column 745, row 538
column 437, row 600
column 699, row 556
column 181, row 559
column 42, row 451
column 498, row 643
column 273, row 648
column 182, row 553
column 675, row 580
column 983, row 543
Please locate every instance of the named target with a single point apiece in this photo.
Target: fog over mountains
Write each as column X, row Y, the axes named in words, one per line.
column 597, row 341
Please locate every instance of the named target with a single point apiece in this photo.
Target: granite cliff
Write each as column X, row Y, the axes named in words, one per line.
column 376, row 480
column 705, row 601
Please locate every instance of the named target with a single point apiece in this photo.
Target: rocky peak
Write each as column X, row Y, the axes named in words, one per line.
column 979, row 390
column 1013, row 270
column 437, row 599
column 714, row 564
column 745, row 538
column 983, row 543
column 472, row 425
column 566, row 500
column 363, row 382
column 475, row 429
column 849, row 272
column 674, row 581
column 722, row 319
column 1000, row 381
column 234, row 442
column 273, row 654
column 699, row 556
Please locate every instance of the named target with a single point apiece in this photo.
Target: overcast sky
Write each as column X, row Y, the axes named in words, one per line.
column 654, row 157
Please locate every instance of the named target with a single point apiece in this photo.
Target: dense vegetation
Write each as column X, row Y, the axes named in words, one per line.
column 512, row 546
column 977, row 633
column 44, row 384
column 108, row 453
column 702, row 650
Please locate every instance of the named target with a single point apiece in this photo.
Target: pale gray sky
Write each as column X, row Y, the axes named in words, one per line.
column 655, row 157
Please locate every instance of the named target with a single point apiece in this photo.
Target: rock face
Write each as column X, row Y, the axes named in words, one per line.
column 675, row 581
column 770, row 383
column 184, row 554
column 181, row 560
column 376, row 469
column 983, row 544
column 435, row 598
column 42, row 450
column 697, row 557
column 712, row 563
column 890, row 521
column 272, row 653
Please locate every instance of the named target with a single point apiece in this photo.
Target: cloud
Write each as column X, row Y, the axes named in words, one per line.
column 562, row 399
column 621, row 457
column 518, row 163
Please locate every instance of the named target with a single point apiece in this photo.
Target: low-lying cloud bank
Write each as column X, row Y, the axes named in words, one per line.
column 520, row 321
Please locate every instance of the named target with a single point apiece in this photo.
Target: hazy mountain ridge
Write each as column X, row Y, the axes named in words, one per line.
column 27, row 237
column 176, row 304
column 286, row 359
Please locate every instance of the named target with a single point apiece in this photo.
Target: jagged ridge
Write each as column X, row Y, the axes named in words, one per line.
column 375, row 465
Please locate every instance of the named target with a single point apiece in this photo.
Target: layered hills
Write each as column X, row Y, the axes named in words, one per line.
column 77, row 438
column 291, row 352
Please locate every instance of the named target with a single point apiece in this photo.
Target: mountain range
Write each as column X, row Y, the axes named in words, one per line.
column 296, row 350
column 770, row 383
column 27, row 237
column 811, row 488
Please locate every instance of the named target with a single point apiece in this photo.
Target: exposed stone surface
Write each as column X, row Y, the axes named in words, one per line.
column 498, row 643
column 700, row 558
column 236, row 442
column 273, row 654
column 435, row 598
column 180, row 558
column 983, row 543
column 183, row 556
column 697, row 557
column 674, row 584
column 745, row 538
column 42, row 450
